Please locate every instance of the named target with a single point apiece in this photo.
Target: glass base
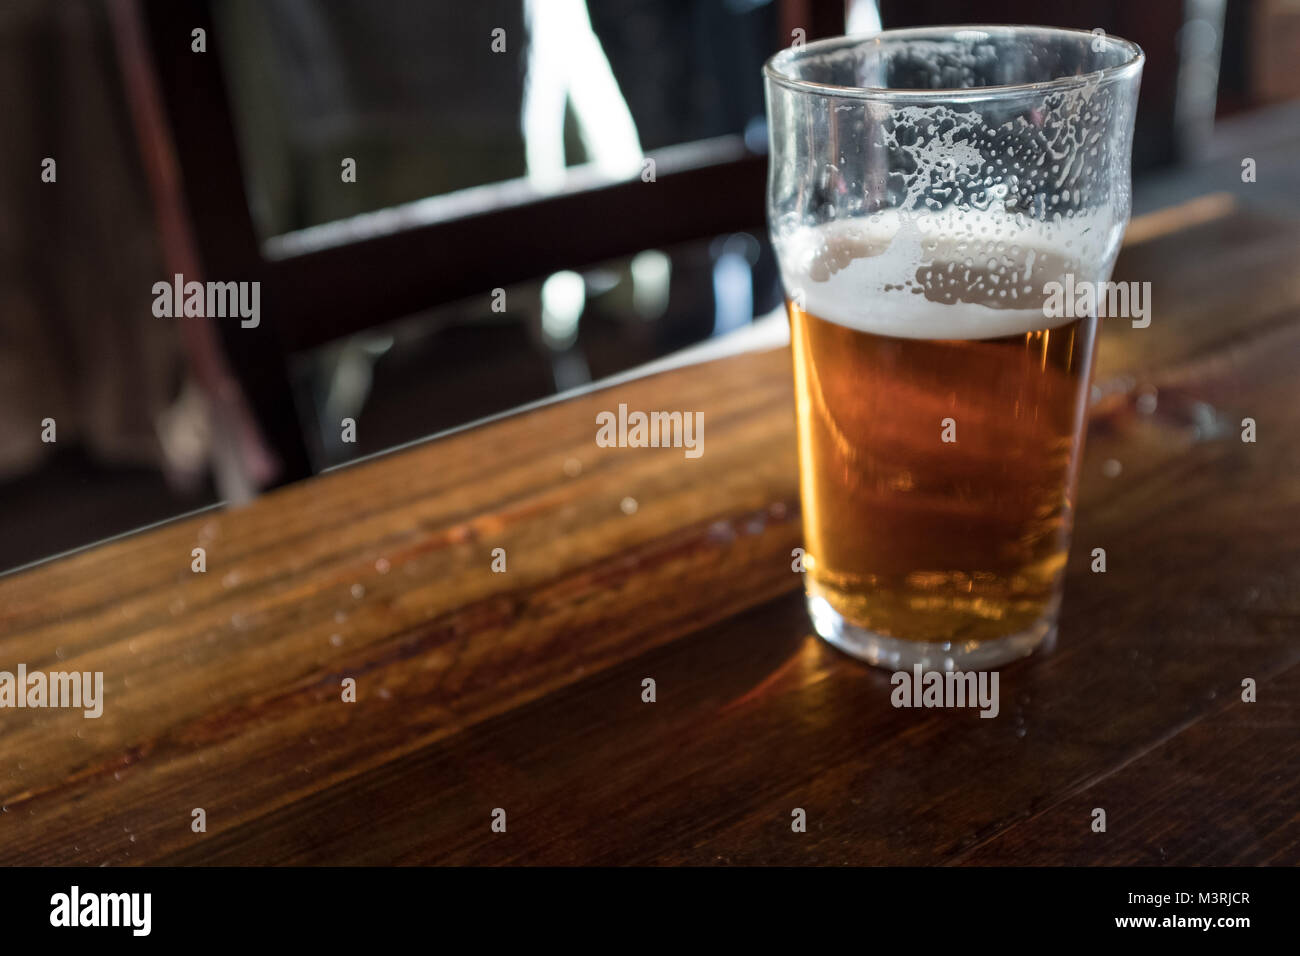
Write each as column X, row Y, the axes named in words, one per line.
column 896, row 654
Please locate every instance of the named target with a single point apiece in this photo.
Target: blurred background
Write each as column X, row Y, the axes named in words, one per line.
column 454, row 210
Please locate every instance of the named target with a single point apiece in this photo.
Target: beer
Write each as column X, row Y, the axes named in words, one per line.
column 933, row 197
column 937, row 423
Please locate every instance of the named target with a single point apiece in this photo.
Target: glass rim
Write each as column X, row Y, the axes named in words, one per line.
column 775, row 67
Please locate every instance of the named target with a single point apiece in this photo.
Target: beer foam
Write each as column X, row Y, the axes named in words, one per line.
column 959, row 274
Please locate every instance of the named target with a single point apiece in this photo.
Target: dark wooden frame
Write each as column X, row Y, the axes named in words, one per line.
column 315, row 296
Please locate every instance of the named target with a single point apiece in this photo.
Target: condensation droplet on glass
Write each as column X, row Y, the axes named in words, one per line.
column 628, row 506
column 358, row 591
column 382, row 566
column 572, row 467
column 1111, row 468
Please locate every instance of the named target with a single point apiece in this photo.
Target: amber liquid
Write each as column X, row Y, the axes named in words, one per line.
column 922, row 539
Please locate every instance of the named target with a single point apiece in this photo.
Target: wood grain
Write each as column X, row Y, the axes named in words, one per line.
column 522, row 690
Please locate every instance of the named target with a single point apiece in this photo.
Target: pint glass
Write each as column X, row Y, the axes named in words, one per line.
column 931, row 192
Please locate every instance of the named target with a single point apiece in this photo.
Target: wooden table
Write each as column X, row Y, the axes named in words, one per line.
column 522, row 690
